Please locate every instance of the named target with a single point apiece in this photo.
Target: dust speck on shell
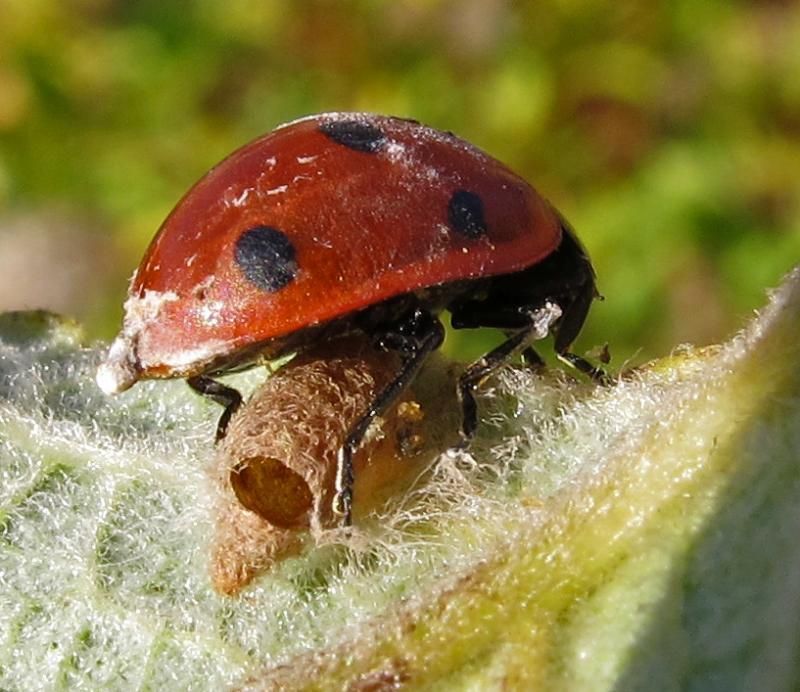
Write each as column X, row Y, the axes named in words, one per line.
column 144, row 309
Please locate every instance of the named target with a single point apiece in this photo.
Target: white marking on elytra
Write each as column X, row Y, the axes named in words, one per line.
column 322, row 241
column 180, row 361
column 210, row 313
column 242, row 198
column 140, row 311
column 306, row 159
column 230, row 198
column 395, row 151
column 430, row 173
column 121, row 367
column 204, row 285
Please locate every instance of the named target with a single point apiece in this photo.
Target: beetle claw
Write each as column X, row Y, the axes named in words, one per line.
column 342, row 506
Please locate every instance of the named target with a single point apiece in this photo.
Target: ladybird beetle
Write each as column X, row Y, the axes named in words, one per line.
column 350, row 221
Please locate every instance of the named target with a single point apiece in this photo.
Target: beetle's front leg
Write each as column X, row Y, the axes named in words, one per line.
column 220, row 394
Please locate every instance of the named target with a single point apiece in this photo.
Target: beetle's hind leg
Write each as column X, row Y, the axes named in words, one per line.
column 538, row 326
column 221, row 394
column 582, row 365
column 532, row 358
column 567, row 330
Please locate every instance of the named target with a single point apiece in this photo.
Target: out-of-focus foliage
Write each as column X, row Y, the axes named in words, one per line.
column 666, row 131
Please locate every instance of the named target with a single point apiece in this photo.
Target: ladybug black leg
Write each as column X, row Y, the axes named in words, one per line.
column 566, row 332
column 477, row 373
column 532, row 358
column 539, row 323
column 220, row 394
column 584, row 366
column 415, row 336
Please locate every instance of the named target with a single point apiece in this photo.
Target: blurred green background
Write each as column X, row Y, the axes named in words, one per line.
column 667, row 132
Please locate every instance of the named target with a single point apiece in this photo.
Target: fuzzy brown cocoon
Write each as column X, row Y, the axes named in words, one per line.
column 276, row 468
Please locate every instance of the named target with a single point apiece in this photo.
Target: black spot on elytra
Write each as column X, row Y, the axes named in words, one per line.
column 465, row 214
column 354, row 134
column 267, row 257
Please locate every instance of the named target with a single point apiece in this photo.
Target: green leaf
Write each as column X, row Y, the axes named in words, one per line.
column 636, row 536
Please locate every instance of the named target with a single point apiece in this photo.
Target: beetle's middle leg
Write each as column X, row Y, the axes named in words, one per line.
column 415, row 336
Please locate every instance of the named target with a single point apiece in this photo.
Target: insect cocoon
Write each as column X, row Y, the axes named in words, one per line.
column 276, row 467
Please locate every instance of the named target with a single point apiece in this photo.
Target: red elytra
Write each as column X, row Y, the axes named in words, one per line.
column 348, row 221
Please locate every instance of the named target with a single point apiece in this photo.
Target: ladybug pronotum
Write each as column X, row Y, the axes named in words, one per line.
column 346, row 222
